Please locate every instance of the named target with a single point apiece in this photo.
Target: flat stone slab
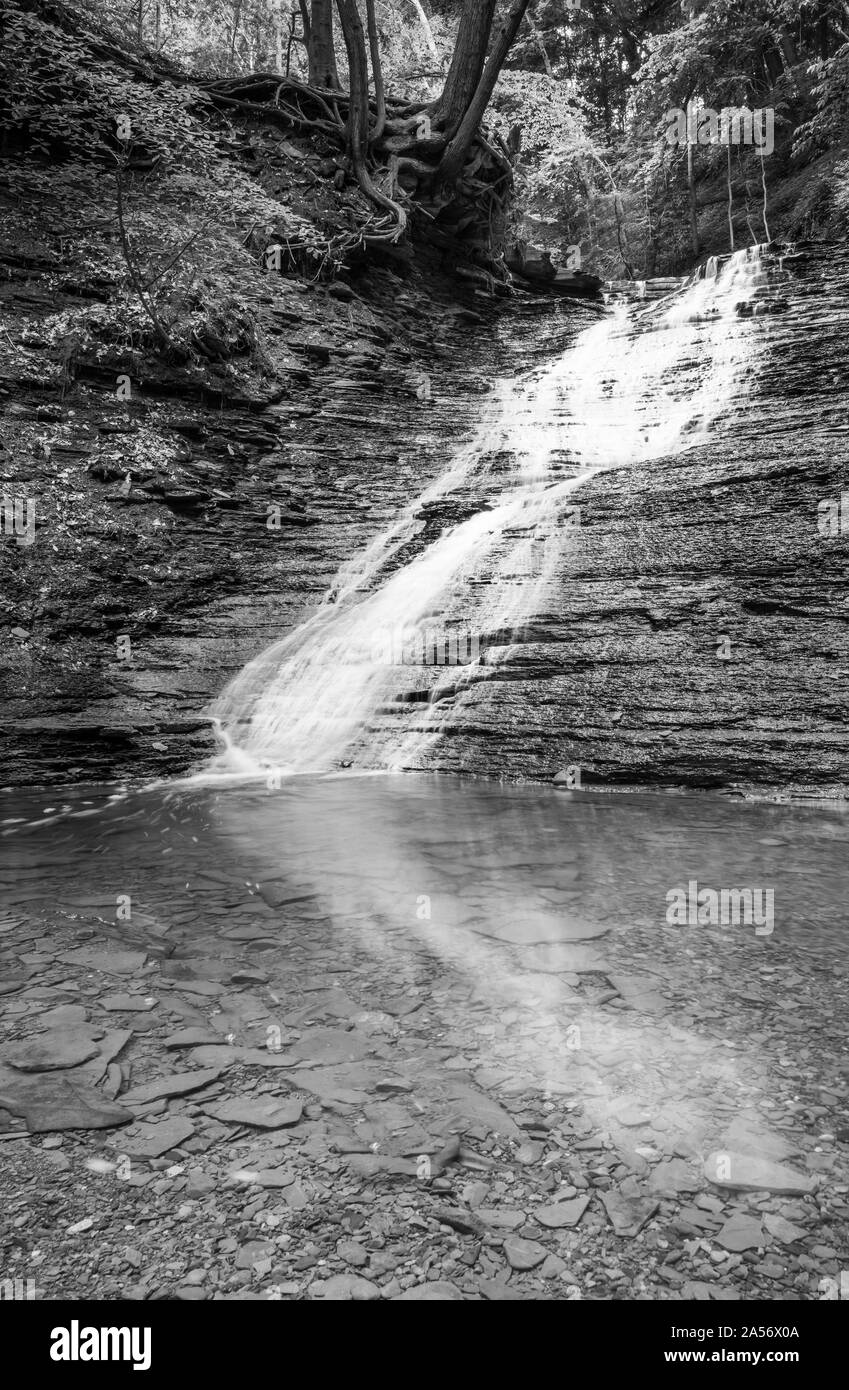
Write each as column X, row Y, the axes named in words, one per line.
column 496, row 1292
column 749, row 1136
column 192, row 1037
column 674, row 1175
column 48, row 1103
column 467, row 1107
column 352, row 1085
column 501, row 1218
column 745, row 1173
column 328, row 1003
column 629, row 1115
column 524, row 1254
column 370, row 1165
column 562, row 1214
column 275, row 1177
column 639, row 992
column 345, row 1287
column 322, row 1045
column 205, row 988
column 65, row 1017
column 628, row 1215
column 269, row 1113
column 129, row 1003
column 14, row 980
column 534, row 928
column 562, row 958
column 254, row 1251
column 783, row 1229
column 108, row 962
column 263, row 1177
column 52, row 1051
column 217, row 1055
column 436, row 1290
column 179, row 1084
column 151, row 1141
column 741, row 1233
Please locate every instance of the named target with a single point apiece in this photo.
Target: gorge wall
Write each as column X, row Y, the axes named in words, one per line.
column 619, row 674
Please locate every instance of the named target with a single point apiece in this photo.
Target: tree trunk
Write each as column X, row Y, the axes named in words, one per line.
column 455, row 155
column 766, row 200
column 358, row 110
column 320, row 52
column 237, row 15
column 278, row 35
column 304, row 8
column 425, row 23
column 694, row 210
column 467, row 64
column 377, row 71
column 730, row 200
column 540, row 43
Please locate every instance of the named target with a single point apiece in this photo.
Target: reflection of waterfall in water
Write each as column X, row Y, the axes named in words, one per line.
column 641, row 384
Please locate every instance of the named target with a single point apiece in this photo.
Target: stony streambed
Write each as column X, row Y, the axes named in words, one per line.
column 407, row 1038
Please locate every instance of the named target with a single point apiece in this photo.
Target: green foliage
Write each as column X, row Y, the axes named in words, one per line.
column 185, row 252
column 829, row 125
column 590, row 89
column 623, row 65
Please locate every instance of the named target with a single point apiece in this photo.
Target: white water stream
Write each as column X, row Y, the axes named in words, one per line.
column 645, row 382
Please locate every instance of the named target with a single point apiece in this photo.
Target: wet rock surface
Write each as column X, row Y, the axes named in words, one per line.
column 622, row 673
column 199, row 530
column 692, row 631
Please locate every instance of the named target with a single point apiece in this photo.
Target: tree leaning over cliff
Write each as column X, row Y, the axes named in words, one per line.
column 427, row 146
column 431, row 153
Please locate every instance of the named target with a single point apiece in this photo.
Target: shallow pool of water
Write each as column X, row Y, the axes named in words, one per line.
column 426, row 859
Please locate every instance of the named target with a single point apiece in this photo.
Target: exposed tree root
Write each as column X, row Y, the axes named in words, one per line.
column 389, row 147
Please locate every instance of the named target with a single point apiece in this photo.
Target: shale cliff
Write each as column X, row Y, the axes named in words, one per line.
column 695, row 631
column 185, row 515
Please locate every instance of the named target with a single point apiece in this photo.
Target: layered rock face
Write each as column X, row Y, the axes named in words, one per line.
column 689, row 631
column 694, row 632
column 201, row 526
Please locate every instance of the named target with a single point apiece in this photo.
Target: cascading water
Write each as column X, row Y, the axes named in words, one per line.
column 368, row 676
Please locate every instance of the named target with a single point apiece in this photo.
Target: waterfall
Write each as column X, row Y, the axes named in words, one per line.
column 371, row 676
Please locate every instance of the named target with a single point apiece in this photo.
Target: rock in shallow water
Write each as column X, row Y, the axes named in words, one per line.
column 50, row 1103
column 50, row 1052
column 741, row 1233
column 524, row 1254
column 561, row 1214
column 179, row 1084
column 270, row 1113
column 436, row 1290
column 749, row 1174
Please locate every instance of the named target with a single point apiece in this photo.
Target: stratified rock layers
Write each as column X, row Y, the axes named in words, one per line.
column 694, row 633
column 621, row 676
